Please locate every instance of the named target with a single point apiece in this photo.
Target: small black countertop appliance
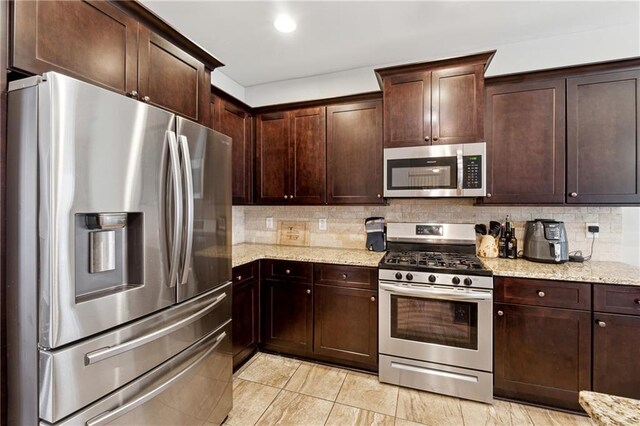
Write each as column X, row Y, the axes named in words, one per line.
column 545, row 240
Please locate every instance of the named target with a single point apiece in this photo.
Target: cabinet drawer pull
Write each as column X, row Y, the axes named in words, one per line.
column 286, row 196
column 133, row 94
column 288, row 271
column 500, row 313
column 573, row 194
column 308, row 291
column 488, row 195
column 435, row 138
column 146, row 99
column 379, row 196
column 601, row 323
column 373, row 298
column 239, row 277
column 344, row 276
column 426, row 138
column 291, row 196
column 540, row 293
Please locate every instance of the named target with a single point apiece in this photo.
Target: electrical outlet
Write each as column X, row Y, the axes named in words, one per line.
column 322, row 224
column 269, row 223
column 590, row 234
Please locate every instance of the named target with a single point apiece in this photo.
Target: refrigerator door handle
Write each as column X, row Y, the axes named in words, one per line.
column 177, row 207
column 108, row 416
column 108, row 352
column 188, row 177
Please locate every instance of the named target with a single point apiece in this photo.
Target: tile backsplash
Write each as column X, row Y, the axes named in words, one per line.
column 345, row 225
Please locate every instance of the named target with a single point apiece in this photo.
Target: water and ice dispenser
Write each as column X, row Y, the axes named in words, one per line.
column 109, row 250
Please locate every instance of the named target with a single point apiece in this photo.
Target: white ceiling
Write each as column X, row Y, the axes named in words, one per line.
column 335, row 36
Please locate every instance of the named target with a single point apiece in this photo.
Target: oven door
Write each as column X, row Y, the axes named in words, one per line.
column 445, row 325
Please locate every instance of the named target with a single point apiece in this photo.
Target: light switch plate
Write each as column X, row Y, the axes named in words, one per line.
column 322, row 224
column 269, row 223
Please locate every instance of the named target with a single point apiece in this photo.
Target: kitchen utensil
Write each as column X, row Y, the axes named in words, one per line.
column 481, row 229
column 494, row 228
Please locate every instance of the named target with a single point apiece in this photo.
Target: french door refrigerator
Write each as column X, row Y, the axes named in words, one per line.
column 118, row 260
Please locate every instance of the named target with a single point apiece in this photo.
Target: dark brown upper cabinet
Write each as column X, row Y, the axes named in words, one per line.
column 291, row 156
column 103, row 44
column 603, row 150
column 525, row 134
column 235, row 121
column 437, row 102
column 354, row 132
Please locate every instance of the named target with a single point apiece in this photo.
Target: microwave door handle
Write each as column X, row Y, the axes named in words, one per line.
column 177, row 208
column 188, row 178
column 108, row 416
column 460, row 164
column 434, row 294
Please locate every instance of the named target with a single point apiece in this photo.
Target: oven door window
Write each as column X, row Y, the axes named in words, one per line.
column 442, row 322
column 422, row 173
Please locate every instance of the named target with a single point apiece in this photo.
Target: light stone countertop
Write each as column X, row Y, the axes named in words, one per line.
column 610, row 410
column 592, row 271
column 245, row 253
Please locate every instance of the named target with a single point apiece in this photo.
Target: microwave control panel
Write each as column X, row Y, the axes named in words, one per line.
column 472, row 171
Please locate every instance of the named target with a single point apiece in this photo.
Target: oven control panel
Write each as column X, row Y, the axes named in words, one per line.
column 430, row 230
column 433, row 278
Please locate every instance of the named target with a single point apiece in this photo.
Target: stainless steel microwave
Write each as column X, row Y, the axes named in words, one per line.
column 436, row 171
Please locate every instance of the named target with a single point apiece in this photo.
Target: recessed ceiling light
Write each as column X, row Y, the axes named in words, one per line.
column 284, row 24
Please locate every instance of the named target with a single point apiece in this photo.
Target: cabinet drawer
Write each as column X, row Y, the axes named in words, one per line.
column 345, row 276
column 555, row 294
column 616, row 299
column 246, row 272
column 287, row 270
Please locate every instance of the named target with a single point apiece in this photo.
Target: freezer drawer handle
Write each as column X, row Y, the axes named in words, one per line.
column 111, row 351
column 108, row 416
column 188, row 178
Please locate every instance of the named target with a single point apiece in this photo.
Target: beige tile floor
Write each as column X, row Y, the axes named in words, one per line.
column 273, row 390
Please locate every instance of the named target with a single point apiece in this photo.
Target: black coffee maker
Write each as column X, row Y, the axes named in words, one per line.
column 376, row 233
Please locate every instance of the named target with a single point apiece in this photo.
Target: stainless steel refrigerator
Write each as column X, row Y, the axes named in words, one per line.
column 118, row 260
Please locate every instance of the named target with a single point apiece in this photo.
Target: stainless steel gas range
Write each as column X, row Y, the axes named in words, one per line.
column 435, row 322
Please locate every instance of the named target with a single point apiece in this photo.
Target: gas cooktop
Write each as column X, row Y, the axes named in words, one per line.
column 434, row 261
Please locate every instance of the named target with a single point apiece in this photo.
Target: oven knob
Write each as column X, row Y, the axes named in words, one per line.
column 398, row 276
column 432, row 278
column 467, row 281
column 455, row 280
column 409, row 276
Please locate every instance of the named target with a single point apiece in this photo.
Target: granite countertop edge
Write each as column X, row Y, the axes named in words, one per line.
column 606, row 409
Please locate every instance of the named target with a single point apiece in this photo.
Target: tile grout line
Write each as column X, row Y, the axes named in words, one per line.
column 267, row 409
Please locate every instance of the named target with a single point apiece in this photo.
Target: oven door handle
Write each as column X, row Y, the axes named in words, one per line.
column 448, row 295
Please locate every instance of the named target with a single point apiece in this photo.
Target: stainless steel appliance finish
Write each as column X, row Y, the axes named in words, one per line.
column 436, row 171
column 435, row 311
column 114, row 215
column 545, row 240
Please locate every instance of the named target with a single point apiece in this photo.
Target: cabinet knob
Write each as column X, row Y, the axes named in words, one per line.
column 146, row 98
column 239, row 277
column 426, row 138
column 379, row 196
column 286, row 196
column 601, row 323
column 344, row 276
column 573, row 194
column 288, row 271
column 291, row 196
column 308, row 291
column 373, row 298
column 500, row 313
column 637, row 301
column 540, row 293
column 133, row 94
column 435, row 138
column 488, row 195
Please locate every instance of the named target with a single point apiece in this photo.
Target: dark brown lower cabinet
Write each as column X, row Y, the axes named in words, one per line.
column 245, row 312
column 287, row 316
column 542, row 355
column 346, row 325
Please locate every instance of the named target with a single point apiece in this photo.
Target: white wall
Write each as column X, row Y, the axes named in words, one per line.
column 608, row 43
column 221, row 81
column 631, row 235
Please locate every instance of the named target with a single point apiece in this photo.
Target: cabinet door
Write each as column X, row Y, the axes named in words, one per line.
column 354, row 131
column 272, row 158
column 172, row 79
column 245, row 314
column 93, row 41
column 525, row 133
column 288, row 317
column 457, row 104
column 542, row 355
column 235, row 122
column 603, row 152
column 346, row 325
column 407, row 110
column 308, row 156
column 616, row 355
